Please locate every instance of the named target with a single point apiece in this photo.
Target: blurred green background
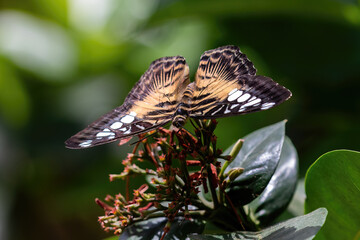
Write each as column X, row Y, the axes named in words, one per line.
column 64, row 63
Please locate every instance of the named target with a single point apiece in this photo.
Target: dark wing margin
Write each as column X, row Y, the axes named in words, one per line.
column 150, row 104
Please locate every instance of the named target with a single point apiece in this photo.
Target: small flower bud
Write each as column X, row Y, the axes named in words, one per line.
column 193, row 163
column 234, row 173
column 236, row 149
column 109, row 198
column 162, row 157
column 113, row 177
column 103, row 205
column 120, row 197
column 211, row 151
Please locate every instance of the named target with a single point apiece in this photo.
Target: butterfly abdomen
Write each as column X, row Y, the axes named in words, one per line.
column 181, row 115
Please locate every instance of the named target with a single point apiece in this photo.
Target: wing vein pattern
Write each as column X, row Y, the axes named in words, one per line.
column 149, row 105
column 225, row 84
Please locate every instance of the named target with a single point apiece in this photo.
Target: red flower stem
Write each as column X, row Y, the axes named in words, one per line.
column 127, row 179
column 151, row 154
column 127, row 188
column 235, row 211
column 212, row 184
column 136, row 147
column 221, row 193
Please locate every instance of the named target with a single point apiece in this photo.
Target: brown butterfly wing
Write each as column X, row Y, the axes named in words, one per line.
column 226, row 85
column 150, row 104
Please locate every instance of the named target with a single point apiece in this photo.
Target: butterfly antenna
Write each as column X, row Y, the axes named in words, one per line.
column 142, row 139
column 186, row 130
column 192, row 123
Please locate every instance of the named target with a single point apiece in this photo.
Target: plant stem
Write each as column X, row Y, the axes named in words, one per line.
column 211, row 185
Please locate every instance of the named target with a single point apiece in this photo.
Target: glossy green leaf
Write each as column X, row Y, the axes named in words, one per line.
column 333, row 181
column 298, row 228
column 278, row 193
column 153, row 229
column 259, row 156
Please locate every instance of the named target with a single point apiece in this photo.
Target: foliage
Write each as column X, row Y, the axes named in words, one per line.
column 196, row 184
column 278, row 192
column 333, row 181
column 299, row 228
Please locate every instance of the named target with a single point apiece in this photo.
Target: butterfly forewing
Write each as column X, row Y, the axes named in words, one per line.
column 226, row 84
column 150, row 104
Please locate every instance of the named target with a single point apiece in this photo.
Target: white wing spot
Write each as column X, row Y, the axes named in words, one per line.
column 267, row 105
column 258, row 100
column 122, row 129
column 133, row 114
column 127, row 132
column 116, row 125
column 128, row 118
column 241, row 109
column 244, row 97
column 139, row 126
column 105, row 133
column 252, row 99
column 87, row 143
column 254, row 102
column 233, row 91
column 235, row 95
column 111, row 137
column 227, row 111
column 234, row 106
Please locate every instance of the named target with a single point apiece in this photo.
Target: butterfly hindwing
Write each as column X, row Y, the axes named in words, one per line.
column 226, row 84
column 150, row 104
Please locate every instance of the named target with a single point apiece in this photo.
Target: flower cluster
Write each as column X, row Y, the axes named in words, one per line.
column 183, row 164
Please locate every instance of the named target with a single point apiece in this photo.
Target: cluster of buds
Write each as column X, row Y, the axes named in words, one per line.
column 123, row 212
column 182, row 162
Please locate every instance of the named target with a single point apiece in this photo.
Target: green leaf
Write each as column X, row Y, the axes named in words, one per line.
column 153, row 229
column 298, row 228
column 259, row 156
column 333, row 181
column 278, row 193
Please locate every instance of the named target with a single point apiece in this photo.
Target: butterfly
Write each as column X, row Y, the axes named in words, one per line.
column 225, row 84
